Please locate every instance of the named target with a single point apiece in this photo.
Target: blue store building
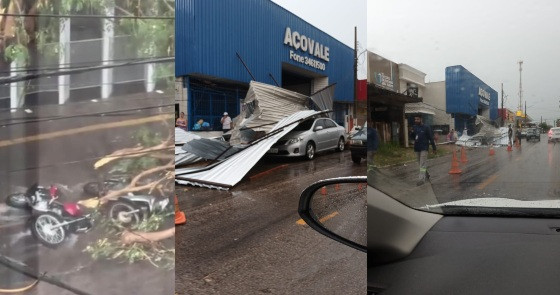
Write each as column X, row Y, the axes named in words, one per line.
column 467, row 96
column 215, row 38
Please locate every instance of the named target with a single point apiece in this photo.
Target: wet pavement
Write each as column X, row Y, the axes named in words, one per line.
column 528, row 173
column 59, row 145
column 250, row 239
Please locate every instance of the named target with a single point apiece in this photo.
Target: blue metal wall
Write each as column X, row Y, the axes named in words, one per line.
column 461, row 92
column 208, row 34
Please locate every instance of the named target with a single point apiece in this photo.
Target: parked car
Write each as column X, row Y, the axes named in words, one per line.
column 554, row 134
column 358, row 145
column 533, row 134
column 523, row 133
column 309, row 137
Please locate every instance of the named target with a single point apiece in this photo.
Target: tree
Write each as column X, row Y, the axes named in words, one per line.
column 150, row 37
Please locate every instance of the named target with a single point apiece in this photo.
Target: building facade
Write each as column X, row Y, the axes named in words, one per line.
column 230, row 43
column 467, row 97
column 386, row 102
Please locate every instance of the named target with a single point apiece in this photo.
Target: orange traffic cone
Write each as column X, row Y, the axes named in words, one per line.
column 324, row 191
column 455, row 164
column 492, row 152
column 463, row 155
column 509, row 149
column 179, row 216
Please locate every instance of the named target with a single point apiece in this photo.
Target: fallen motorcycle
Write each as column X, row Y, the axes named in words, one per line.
column 53, row 221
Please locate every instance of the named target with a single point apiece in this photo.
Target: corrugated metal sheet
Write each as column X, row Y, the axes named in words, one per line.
column 182, row 136
column 229, row 172
column 210, row 32
column 186, row 158
column 461, row 91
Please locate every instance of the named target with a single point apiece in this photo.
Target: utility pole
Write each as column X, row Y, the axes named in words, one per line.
column 520, row 85
column 355, row 71
column 503, row 111
column 525, row 112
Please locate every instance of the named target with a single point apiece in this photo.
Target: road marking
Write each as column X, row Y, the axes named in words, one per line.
column 321, row 220
column 90, row 128
column 267, row 171
column 487, row 181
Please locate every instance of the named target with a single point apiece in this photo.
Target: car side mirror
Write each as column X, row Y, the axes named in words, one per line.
column 337, row 208
column 318, row 128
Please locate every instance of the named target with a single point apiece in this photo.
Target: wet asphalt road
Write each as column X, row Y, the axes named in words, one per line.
column 529, row 173
column 248, row 241
column 63, row 156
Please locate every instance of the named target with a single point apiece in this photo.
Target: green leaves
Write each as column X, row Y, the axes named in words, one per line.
column 111, row 248
column 16, row 52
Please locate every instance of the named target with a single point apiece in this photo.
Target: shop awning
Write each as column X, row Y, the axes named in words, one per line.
column 381, row 95
column 419, row 108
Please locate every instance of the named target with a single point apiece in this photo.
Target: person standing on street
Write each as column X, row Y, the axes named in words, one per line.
column 510, row 135
column 226, row 122
column 423, row 137
column 372, row 143
column 519, row 136
column 181, row 122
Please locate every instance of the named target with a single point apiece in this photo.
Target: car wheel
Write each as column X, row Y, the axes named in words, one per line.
column 340, row 146
column 310, row 151
column 356, row 159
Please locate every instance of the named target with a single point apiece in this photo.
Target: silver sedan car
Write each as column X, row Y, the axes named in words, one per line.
column 309, row 137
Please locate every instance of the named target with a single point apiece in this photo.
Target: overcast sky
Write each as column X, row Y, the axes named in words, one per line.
column 487, row 37
column 336, row 18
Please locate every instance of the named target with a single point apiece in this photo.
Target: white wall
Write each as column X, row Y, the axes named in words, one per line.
column 434, row 95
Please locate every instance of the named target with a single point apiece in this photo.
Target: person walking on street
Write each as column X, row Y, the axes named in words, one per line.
column 372, row 144
column 519, row 137
column 510, row 135
column 226, row 122
column 423, row 137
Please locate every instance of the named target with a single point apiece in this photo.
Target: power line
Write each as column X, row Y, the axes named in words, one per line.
column 55, row 118
column 76, row 86
column 165, row 149
column 95, row 16
column 25, row 69
column 20, row 78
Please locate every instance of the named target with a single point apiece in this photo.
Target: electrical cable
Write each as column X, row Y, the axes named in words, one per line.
column 170, row 148
column 99, row 16
column 81, row 115
column 19, row 78
column 82, row 64
column 19, row 290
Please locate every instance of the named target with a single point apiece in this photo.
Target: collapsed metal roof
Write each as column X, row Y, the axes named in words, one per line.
column 227, row 173
column 264, row 106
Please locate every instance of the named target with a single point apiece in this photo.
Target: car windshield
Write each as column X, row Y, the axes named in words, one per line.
column 305, row 125
column 462, row 119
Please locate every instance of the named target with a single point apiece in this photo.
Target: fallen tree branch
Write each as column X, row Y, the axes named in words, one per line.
column 132, row 186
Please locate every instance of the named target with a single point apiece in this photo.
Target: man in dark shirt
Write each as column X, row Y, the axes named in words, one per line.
column 510, row 135
column 372, row 143
column 423, row 137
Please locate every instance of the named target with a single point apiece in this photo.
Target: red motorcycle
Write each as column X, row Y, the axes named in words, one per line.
column 52, row 221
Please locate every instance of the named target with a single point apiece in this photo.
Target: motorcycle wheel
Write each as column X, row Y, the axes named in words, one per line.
column 119, row 213
column 17, row 201
column 41, row 229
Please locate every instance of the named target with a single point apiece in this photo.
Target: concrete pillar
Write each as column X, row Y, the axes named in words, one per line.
column 108, row 53
column 150, row 77
column 64, row 60
column 17, row 89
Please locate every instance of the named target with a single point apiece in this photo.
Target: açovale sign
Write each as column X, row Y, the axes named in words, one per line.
column 484, row 96
column 305, row 44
